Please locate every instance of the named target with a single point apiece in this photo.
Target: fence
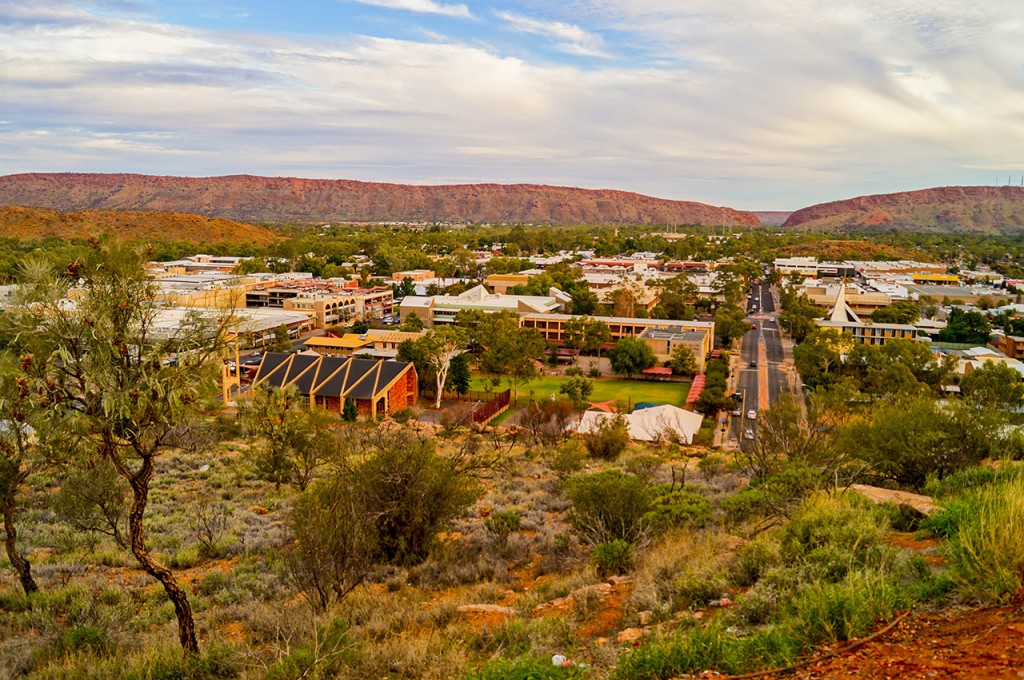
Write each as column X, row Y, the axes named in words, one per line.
column 481, row 414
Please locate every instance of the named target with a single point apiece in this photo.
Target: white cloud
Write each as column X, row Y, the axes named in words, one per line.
column 744, row 103
column 572, row 39
column 426, row 6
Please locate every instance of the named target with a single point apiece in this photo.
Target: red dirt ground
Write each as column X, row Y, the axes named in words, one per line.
column 959, row 642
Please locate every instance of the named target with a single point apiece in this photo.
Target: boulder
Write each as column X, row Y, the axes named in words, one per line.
column 922, row 505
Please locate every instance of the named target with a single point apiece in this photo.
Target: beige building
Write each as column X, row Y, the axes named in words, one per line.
column 498, row 284
column 414, row 274
column 698, row 335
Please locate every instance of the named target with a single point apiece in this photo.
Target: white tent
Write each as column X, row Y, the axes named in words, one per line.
column 658, row 423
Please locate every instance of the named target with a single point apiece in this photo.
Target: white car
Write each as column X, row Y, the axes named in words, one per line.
column 748, row 433
column 737, row 412
column 752, row 414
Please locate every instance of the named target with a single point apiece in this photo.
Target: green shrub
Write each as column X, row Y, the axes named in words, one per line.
column 503, row 524
column 402, row 416
column 324, row 659
column 168, row 663
column 610, row 438
column 836, row 612
column 986, row 547
column 613, row 558
column 674, row 507
column 82, row 638
column 609, row 506
column 567, row 459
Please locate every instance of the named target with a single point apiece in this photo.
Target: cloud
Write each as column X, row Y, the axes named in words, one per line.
column 425, row 6
column 741, row 103
column 571, row 38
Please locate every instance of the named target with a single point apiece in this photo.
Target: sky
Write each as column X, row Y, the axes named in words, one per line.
column 752, row 104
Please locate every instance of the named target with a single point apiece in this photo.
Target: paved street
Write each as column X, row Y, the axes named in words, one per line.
column 761, row 376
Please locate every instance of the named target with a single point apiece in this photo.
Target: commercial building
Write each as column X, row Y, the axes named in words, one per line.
column 379, row 388
column 441, row 309
column 552, row 328
column 378, row 343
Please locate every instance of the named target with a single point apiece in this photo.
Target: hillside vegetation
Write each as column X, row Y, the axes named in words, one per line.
column 289, row 199
column 985, row 210
column 27, row 224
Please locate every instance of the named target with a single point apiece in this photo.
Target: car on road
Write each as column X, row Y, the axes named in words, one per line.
column 748, row 433
column 752, row 414
column 737, row 412
column 753, row 364
column 753, row 326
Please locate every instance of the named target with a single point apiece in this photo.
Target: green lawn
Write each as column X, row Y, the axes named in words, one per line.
column 628, row 390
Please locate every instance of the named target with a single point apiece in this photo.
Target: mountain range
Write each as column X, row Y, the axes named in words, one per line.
column 252, row 199
column 285, row 199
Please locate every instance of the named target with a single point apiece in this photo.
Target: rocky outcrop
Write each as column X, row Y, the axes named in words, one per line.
column 286, row 199
column 945, row 209
column 922, row 505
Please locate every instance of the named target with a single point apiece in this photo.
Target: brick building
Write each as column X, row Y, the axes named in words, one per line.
column 379, row 388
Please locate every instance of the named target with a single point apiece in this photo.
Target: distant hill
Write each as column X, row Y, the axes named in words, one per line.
column 985, row 210
column 282, row 199
column 27, row 224
column 832, row 250
column 772, row 218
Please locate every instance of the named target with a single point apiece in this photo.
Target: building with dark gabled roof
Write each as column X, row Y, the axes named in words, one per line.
column 379, row 388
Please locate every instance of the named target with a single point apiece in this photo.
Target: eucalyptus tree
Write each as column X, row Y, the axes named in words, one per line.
column 97, row 353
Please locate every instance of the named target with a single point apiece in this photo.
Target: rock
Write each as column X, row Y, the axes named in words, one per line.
column 205, row 468
column 619, row 580
column 645, row 618
column 923, row 505
column 629, row 635
column 485, row 609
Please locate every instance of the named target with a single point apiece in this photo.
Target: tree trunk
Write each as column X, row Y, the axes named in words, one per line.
column 18, row 561
column 182, row 608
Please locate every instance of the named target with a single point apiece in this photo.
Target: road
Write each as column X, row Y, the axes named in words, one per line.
column 760, row 378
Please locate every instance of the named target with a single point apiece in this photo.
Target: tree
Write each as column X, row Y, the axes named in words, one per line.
column 682, row 361
column 678, row 298
column 406, row 288
column 411, row 323
column 993, row 385
column 335, row 540
column 577, row 389
column 510, row 350
column 290, row 439
column 99, row 369
column 350, row 410
column 730, row 324
column 902, row 311
column 623, row 301
column 459, row 377
column 574, row 331
column 19, row 457
column 596, row 335
column 819, row 357
column 631, row 355
column 966, row 326
column 443, row 345
column 282, row 339
column 609, row 439
column 250, row 265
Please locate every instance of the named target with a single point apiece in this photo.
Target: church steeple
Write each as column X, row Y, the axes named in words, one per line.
column 841, row 311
